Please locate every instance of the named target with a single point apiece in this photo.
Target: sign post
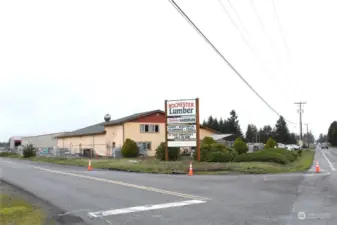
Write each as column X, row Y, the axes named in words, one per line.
column 182, row 126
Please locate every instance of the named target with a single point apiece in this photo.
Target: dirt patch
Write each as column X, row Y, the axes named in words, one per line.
column 52, row 214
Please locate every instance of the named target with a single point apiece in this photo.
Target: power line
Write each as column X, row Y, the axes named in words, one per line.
column 239, row 18
column 219, row 53
column 237, row 28
column 280, row 26
column 262, row 24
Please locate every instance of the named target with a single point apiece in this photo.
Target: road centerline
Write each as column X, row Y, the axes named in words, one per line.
column 111, row 212
column 157, row 190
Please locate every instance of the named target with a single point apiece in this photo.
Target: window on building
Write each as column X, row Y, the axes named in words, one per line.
column 149, row 128
column 144, row 146
column 142, row 128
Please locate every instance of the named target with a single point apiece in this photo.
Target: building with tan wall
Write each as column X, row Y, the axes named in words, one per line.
column 147, row 129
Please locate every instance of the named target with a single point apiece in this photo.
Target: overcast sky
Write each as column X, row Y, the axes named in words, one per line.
column 65, row 64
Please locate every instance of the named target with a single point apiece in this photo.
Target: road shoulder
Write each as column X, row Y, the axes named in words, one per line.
column 51, row 214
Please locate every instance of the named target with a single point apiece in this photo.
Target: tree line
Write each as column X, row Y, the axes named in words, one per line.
column 280, row 132
column 332, row 134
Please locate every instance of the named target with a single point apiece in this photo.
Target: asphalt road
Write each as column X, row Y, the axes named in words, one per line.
column 107, row 197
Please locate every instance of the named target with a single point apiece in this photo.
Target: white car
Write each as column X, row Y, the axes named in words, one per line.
column 280, row 145
column 292, row 147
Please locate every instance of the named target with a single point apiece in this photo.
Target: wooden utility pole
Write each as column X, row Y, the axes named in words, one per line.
column 198, row 128
column 307, row 133
column 300, row 112
column 166, row 147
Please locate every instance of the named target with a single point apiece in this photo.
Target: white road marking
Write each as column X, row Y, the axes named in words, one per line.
column 143, row 208
column 330, row 164
column 2, row 161
column 124, row 184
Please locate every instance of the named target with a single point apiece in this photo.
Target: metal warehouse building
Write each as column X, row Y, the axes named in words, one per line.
column 42, row 141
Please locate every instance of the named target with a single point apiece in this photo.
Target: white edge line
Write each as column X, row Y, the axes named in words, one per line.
column 330, row 164
column 143, row 208
column 124, row 184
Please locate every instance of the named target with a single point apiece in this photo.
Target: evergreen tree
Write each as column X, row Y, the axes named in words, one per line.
column 322, row 138
column 281, row 131
column 249, row 133
column 332, row 133
column 265, row 133
column 233, row 124
column 221, row 125
column 210, row 122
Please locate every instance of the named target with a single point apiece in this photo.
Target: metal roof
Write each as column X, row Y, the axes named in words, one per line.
column 133, row 117
column 220, row 136
column 99, row 128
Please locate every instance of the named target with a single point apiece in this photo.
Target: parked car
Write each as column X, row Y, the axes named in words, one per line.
column 292, row 147
column 324, row 146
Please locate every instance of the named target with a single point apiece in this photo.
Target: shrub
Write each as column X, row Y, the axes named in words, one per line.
column 219, row 156
column 271, row 143
column 240, row 146
column 262, row 156
column 173, row 153
column 29, row 151
column 233, row 152
column 208, row 141
column 290, row 155
column 214, row 153
column 130, row 149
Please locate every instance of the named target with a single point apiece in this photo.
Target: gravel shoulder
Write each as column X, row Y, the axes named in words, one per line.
column 44, row 213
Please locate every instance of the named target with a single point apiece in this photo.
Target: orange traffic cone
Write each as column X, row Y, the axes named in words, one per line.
column 89, row 166
column 190, row 172
column 317, row 167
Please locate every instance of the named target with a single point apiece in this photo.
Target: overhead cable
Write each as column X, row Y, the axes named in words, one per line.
column 222, row 56
column 282, row 33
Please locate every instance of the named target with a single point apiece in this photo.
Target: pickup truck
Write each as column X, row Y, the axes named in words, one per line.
column 324, row 145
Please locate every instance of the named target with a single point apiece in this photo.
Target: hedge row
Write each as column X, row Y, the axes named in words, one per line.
column 280, row 156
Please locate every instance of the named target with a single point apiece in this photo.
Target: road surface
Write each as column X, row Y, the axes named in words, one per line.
column 108, row 197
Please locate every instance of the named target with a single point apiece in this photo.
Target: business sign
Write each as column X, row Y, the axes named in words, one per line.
column 181, row 143
column 178, row 128
column 179, row 120
column 182, row 137
column 181, row 108
column 181, row 123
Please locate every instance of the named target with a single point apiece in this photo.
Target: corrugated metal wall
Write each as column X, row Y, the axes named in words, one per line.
column 42, row 141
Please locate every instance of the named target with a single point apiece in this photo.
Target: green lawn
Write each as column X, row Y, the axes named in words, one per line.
column 14, row 210
column 156, row 166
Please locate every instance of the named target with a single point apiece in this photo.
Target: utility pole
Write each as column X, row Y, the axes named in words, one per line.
column 300, row 112
column 307, row 134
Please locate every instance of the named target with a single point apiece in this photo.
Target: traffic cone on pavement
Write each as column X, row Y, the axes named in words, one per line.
column 190, row 171
column 89, row 166
column 317, row 167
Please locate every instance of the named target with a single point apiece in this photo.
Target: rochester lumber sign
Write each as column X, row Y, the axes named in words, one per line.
column 182, row 124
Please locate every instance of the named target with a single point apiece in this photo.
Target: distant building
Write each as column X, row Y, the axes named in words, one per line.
column 14, row 142
column 147, row 129
column 44, row 141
